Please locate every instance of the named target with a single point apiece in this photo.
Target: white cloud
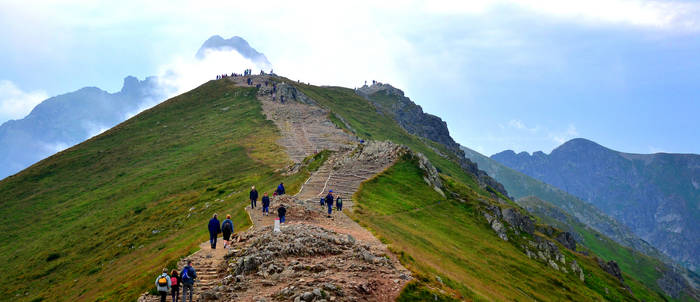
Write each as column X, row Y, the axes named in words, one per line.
column 518, row 124
column 182, row 75
column 564, row 136
column 15, row 103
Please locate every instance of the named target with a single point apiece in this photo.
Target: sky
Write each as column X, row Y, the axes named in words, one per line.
column 522, row 75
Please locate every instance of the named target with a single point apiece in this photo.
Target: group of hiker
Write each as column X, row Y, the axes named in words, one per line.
column 171, row 283
column 328, row 202
column 281, row 211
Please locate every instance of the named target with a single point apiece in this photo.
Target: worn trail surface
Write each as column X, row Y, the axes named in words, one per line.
column 314, row 257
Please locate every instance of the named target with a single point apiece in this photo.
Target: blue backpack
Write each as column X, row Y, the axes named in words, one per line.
column 185, row 274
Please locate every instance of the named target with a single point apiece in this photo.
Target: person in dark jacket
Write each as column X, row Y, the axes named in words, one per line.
column 214, row 230
column 265, row 205
column 253, row 197
column 338, row 203
column 281, row 212
column 175, row 285
column 187, row 275
column 280, row 189
column 227, row 230
column 329, row 202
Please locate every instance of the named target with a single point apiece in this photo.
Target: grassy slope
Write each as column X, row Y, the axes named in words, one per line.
column 644, row 268
column 634, row 263
column 367, row 123
column 79, row 225
column 449, row 238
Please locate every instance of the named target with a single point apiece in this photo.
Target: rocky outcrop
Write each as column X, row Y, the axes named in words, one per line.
column 408, row 114
column 306, row 263
column 567, row 239
column 612, row 268
column 411, row 117
column 518, row 221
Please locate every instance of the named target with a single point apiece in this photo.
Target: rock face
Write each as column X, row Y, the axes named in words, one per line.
column 411, row 117
column 639, row 190
column 612, row 268
column 567, row 239
column 65, row 120
column 307, row 263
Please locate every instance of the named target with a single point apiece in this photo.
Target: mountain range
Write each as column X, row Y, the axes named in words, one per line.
column 657, row 196
column 65, row 120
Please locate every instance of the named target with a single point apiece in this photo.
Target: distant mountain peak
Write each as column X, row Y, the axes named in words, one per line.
column 236, row 43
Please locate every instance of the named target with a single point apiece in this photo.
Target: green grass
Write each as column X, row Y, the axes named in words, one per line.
column 445, row 237
column 80, row 224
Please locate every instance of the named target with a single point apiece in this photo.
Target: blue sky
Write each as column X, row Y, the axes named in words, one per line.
column 522, row 75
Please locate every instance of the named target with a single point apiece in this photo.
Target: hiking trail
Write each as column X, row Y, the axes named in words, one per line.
column 314, row 257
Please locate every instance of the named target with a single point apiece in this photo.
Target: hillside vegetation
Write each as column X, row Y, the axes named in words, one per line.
column 98, row 220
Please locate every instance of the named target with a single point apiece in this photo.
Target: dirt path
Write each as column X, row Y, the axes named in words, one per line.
column 359, row 266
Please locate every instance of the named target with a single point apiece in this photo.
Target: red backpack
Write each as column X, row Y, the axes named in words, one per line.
column 173, row 281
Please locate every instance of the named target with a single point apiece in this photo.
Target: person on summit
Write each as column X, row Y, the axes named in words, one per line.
column 214, row 230
column 188, row 275
column 280, row 189
column 329, row 202
column 265, row 205
column 253, row 197
column 163, row 284
column 227, row 229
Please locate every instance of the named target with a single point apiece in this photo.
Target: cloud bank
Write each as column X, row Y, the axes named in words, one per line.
column 15, row 103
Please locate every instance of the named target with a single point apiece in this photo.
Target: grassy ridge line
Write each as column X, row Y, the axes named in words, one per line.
column 98, row 220
column 368, row 123
column 445, row 237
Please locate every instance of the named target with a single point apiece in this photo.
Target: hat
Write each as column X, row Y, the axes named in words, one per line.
column 330, row 191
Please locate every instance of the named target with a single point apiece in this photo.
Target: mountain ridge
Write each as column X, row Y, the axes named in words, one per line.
column 656, row 195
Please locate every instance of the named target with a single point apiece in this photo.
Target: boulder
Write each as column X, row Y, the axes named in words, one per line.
column 567, row 240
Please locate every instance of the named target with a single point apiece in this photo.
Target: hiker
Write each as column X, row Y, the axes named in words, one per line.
column 187, row 276
column 281, row 212
column 253, row 197
column 163, row 284
column 329, row 202
column 338, row 203
column 265, row 205
column 214, row 230
column 174, row 285
column 227, row 229
column 280, row 189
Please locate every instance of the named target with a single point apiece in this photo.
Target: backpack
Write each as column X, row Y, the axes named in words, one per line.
column 173, row 281
column 227, row 227
column 185, row 274
column 163, row 281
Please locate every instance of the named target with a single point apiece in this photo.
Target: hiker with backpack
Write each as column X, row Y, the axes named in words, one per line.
column 266, row 205
column 227, row 229
column 253, row 197
column 163, row 284
column 329, row 202
column 188, row 275
column 214, row 230
column 174, row 285
column 338, row 203
column 280, row 189
column 282, row 212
